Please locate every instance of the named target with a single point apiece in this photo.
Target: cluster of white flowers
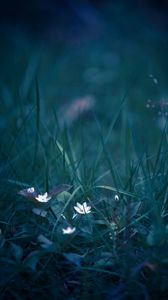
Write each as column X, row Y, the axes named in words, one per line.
column 83, row 208
column 80, row 209
column 41, row 198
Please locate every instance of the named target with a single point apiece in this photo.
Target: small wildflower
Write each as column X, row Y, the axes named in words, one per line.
column 29, row 193
column 43, row 198
column 68, row 230
column 116, row 198
column 31, row 190
column 82, row 208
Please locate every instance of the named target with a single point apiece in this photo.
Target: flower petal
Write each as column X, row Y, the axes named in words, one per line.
column 79, row 205
column 68, row 230
column 78, row 209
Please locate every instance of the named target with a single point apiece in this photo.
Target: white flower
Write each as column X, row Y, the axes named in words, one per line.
column 82, row 208
column 43, row 198
column 116, row 198
column 68, row 230
column 31, row 190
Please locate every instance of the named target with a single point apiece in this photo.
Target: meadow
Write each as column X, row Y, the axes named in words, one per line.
column 84, row 165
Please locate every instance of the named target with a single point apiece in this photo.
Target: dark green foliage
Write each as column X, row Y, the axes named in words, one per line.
column 113, row 157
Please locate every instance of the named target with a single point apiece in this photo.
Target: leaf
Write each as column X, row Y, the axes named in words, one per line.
column 17, row 251
column 56, row 208
column 105, row 260
column 44, row 242
column 133, row 208
column 156, row 236
column 64, row 154
column 59, row 189
column 39, row 212
column 75, row 258
column 101, row 222
column 87, row 229
column 110, row 188
column 64, row 196
column 33, row 259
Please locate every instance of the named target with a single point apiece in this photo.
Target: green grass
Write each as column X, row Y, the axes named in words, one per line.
column 119, row 250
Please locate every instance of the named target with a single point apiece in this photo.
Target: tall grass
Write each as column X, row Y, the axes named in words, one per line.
column 119, row 250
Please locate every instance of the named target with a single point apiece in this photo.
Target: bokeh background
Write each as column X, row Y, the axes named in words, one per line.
column 105, row 51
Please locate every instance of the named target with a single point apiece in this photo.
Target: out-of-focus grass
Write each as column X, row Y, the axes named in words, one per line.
column 118, row 148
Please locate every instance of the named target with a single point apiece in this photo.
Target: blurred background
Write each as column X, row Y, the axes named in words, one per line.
column 85, row 56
